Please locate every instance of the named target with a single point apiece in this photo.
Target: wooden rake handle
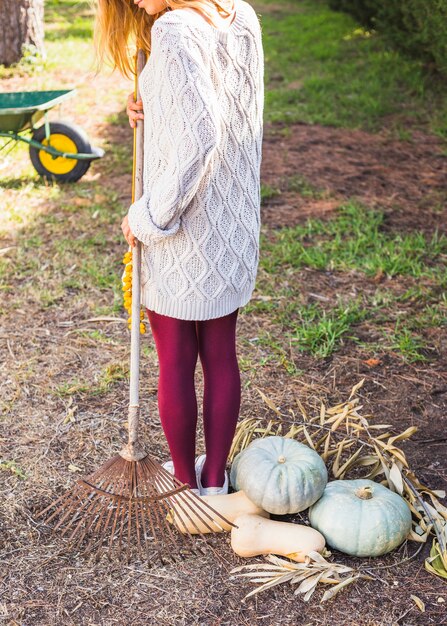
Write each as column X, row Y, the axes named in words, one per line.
column 133, row 451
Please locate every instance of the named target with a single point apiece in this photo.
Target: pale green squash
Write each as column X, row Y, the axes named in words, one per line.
column 279, row 475
column 361, row 517
column 233, row 471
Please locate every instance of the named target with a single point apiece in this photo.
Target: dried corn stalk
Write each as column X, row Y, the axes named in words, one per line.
column 313, row 571
column 352, row 447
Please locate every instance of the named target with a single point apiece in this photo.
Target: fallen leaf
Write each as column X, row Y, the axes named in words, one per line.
column 330, row 593
column 396, row 478
column 372, row 362
column 419, row 603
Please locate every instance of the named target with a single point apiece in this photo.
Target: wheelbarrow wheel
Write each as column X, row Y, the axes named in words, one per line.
column 65, row 137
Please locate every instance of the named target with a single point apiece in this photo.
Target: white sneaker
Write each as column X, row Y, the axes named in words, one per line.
column 216, row 491
column 200, row 460
column 210, row 491
column 169, row 466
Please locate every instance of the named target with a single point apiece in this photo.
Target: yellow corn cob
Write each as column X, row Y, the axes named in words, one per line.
column 127, row 292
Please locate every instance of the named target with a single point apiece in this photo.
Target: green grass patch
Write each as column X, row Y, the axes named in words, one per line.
column 310, row 327
column 355, row 240
column 295, row 183
column 68, row 19
column 108, row 377
column 13, row 468
column 267, row 192
column 322, row 68
column 319, row 332
column 71, row 250
column 409, row 344
column 300, row 185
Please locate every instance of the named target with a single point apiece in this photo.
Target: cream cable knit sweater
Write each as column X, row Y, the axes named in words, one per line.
column 199, row 216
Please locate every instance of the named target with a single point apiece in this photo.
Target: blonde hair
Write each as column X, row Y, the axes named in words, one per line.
column 119, row 23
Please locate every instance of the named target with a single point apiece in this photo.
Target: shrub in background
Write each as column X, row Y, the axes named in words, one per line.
column 417, row 26
column 363, row 10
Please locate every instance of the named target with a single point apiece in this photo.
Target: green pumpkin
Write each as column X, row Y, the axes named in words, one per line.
column 233, row 471
column 280, row 475
column 361, row 517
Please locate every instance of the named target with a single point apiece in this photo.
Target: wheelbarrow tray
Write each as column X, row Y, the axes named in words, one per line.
column 20, row 110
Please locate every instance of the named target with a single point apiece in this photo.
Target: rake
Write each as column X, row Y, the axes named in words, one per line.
column 126, row 507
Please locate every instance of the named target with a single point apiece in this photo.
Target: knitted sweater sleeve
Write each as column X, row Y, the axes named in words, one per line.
column 181, row 90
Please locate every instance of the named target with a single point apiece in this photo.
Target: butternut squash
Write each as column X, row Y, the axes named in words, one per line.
column 230, row 506
column 256, row 535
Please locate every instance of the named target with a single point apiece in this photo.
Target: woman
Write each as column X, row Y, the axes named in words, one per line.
column 198, row 219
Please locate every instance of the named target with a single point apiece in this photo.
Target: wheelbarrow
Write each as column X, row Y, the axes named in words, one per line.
column 58, row 150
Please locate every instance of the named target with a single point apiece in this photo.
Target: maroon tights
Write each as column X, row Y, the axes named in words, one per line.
column 179, row 343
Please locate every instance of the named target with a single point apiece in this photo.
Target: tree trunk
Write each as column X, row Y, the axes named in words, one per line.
column 21, row 24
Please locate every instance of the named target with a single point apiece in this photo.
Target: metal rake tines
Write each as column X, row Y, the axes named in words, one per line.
column 128, row 506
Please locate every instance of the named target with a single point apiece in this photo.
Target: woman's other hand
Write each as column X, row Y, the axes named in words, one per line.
column 134, row 110
column 129, row 236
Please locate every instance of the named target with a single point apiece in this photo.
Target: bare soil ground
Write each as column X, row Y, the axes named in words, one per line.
column 45, row 432
column 408, row 178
